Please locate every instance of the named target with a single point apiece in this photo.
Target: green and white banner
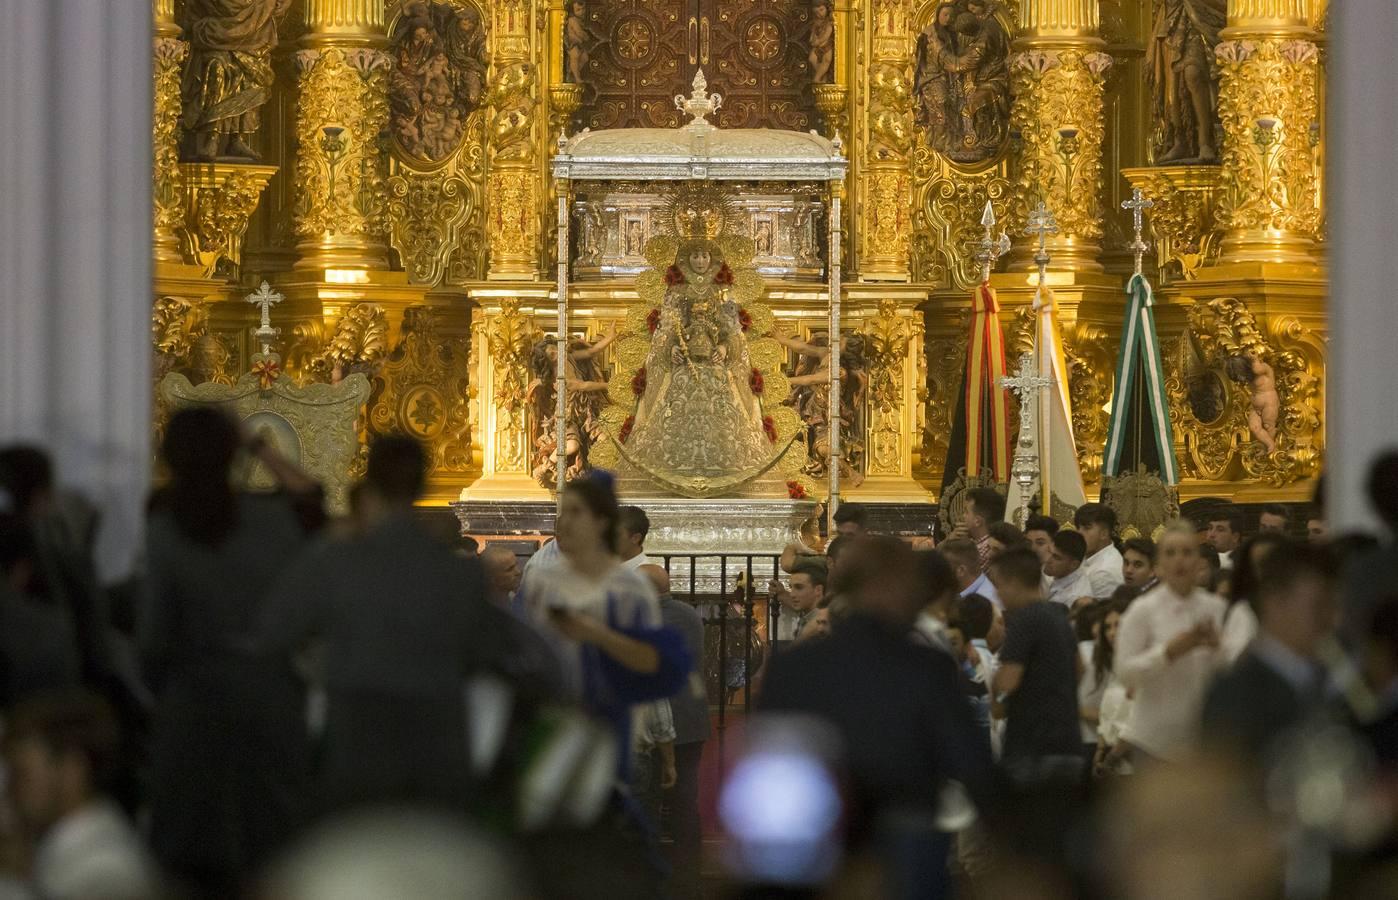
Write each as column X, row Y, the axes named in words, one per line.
column 1140, row 409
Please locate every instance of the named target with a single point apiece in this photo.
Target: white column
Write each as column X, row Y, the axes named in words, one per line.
column 1363, row 218
column 75, row 250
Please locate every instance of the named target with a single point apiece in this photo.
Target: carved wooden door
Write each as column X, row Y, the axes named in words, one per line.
column 754, row 53
column 644, row 52
column 637, row 63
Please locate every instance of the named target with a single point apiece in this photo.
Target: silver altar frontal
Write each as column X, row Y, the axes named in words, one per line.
column 614, row 181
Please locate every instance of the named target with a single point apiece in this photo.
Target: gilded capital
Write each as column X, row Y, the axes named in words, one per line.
column 1268, row 16
column 1071, row 21
column 352, row 21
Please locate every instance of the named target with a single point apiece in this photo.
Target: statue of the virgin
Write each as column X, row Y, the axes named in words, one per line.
column 699, row 418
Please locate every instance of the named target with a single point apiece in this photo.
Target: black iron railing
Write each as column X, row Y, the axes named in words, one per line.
column 727, row 605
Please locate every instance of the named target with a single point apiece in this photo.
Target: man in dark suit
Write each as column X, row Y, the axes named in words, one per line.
column 1279, row 680
column 404, row 621
column 906, row 728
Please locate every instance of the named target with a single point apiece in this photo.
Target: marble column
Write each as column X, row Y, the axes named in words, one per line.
column 340, row 214
column 1363, row 316
column 1059, row 75
column 1268, row 64
column 75, row 251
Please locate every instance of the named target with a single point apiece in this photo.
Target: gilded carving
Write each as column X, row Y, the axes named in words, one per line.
column 1183, row 77
column 1143, row 503
column 1247, row 400
column 342, row 117
column 946, row 366
column 421, row 390
column 176, row 327
column 1182, row 221
column 887, row 338
column 510, row 336
column 946, row 215
column 427, row 213
column 438, row 79
column 962, row 84
column 219, row 201
column 168, row 199
column 1058, row 115
column 228, row 77
column 1268, row 107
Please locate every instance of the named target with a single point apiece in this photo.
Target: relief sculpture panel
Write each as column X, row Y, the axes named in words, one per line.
column 439, row 67
column 962, row 84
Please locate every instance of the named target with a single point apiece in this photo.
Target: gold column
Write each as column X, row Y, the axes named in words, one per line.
column 512, row 208
column 1267, row 101
column 1059, row 75
column 167, row 196
column 339, row 212
column 887, row 197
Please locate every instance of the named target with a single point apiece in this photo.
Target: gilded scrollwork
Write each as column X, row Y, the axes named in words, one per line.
column 427, row 213
column 219, row 201
column 1058, row 116
column 1247, row 398
column 177, row 325
column 947, row 208
column 341, row 124
column 1268, row 107
column 510, row 337
column 168, row 199
column 1182, row 221
column 887, row 339
column 945, row 367
column 358, row 342
column 422, row 390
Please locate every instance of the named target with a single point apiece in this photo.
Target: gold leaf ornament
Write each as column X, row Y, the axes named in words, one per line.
column 762, row 319
column 604, row 454
column 638, row 319
column 612, row 416
column 786, row 421
column 660, row 253
column 619, row 389
column 766, row 354
column 631, row 351
column 776, row 387
column 738, row 251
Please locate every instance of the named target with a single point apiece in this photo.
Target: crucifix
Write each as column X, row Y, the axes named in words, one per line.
column 266, row 298
column 1025, row 468
column 991, row 248
column 1137, row 204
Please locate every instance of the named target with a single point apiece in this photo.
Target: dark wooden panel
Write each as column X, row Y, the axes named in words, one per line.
column 637, row 63
column 757, row 59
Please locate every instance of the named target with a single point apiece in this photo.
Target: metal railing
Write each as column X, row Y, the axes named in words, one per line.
column 737, row 586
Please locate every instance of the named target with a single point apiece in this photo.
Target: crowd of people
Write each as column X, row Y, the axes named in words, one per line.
column 284, row 705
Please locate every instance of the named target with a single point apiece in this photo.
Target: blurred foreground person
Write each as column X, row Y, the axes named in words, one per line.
column 897, row 707
column 404, row 622
column 62, row 751
column 1279, row 679
column 1168, row 651
column 228, row 750
column 374, row 856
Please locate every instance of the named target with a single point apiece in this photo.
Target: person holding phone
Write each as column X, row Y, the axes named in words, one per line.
column 1168, row 651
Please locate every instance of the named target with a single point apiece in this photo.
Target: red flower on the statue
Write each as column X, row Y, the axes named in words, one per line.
column 795, row 490
column 724, row 276
column 626, row 428
column 744, row 319
column 755, row 381
column 638, row 383
column 653, row 320
column 674, row 276
column 769, row 428
column 267, row 371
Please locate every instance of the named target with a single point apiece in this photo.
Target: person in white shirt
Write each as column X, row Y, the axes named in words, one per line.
column 1114, row 708
column 964, row 557
column 631, row 538
column 1096, row 522
column 61, row 751
column 1039, row 532
column 1168, row 651
column 799, row 602
column 1226, row 533
column 1138, row 564
column 1070, row 582
column 1240, row 622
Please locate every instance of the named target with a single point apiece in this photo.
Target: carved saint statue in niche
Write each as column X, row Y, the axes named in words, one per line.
column 228, row 76
column 1184, row 79
column 822, row 56
column 962, row 83
column 439, row 65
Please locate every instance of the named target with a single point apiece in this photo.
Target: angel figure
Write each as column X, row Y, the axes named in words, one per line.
column 822, row 55
column 811, row 397
column 1249, row 369
column 585, row 397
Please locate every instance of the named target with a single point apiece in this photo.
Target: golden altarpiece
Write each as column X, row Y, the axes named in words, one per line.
column 387, row 165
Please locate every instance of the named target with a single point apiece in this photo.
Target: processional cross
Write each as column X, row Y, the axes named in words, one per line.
column 991, row 248
column 266, row 298
column 1025, row 467
column 1137, row 204
column 1041, row 223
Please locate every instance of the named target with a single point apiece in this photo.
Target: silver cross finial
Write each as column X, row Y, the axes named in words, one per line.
column 991, row 247
column 266, row 298
column 1137, row 204
column 1025, row 468
column 1042, row 223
